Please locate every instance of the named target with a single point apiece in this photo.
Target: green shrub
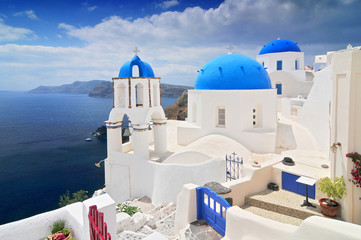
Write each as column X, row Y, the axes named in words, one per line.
column 66, row 231
column 334, row 188
column 130, row 210
column 57, row 226
column 78, row 196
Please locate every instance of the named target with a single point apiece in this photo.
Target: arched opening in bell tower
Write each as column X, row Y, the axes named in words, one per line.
column 139, row 98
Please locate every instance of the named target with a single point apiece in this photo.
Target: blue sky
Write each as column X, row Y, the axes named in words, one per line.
column 56, row 42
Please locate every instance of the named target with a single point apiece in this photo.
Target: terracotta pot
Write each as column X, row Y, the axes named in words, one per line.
column 50, row 237
column 328, row 211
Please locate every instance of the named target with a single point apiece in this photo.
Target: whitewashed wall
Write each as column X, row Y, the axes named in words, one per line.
column 241, row 224
column 315, row 113
column 130, row 176
column 239, row 106
column 287, row 58
column 346, row 124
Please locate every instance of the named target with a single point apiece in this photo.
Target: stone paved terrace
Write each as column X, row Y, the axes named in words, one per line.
column 282, row 206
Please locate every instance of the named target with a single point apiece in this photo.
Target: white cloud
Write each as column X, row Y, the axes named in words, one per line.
column 176, row 44
column 28, row 13
column 90, row 9
column 66, row 27
column 9, row 33
column 168, row 4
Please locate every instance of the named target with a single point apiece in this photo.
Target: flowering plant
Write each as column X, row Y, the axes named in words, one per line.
column 356, row 171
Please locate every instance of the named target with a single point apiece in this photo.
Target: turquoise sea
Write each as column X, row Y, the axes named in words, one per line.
column 43, row 152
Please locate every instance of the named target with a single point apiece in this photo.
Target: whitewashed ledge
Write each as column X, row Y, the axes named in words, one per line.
column 75, row 215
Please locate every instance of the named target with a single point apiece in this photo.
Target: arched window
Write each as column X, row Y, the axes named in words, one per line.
column 279, row 88
column 135, row 71
column 121, row 96
column 139, row 95
column 155, row 95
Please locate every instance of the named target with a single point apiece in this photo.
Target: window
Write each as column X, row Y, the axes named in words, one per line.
column 257, row 120
column 279, row 65
column 279, row 88
column 135, row 71
column 155, row 95
column 121, row 96
column 254, row 117
column 296, row 64
column 221, row 117
column 139, row 95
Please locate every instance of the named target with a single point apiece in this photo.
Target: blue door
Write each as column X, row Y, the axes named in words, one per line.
column 212, row 208
column 289, row 183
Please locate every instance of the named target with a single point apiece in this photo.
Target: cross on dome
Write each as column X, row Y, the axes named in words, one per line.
column 136, row 51
column 230, row 48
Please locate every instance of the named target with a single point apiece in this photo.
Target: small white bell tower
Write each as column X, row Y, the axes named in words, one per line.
column 136, row 95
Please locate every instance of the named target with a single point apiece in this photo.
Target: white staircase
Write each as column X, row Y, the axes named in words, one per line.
column 160, row 218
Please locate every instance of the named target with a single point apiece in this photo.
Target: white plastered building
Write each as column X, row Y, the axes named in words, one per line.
column 284, row 63
column 232, row 97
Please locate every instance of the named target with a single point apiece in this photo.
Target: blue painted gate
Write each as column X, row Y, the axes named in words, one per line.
column 212, row 208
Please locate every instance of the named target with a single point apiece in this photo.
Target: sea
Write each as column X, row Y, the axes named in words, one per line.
column 43, row 152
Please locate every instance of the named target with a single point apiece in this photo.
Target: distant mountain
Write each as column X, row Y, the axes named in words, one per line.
column 78, row 87
column 102, row 88
column 170, row 90
column 105, row 89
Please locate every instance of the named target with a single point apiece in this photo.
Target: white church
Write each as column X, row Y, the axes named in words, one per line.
column 264, row 110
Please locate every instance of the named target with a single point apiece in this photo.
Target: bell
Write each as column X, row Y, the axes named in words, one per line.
column 126, row 132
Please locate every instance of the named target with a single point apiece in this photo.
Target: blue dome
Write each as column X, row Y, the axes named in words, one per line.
column 232, row 72
column 280, row 45
column 145, row 70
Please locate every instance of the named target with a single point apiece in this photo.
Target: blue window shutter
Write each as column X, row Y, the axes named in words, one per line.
column 279, row 88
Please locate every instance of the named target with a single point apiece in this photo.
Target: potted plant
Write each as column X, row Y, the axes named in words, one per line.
column 59, row 231
column 335, row 189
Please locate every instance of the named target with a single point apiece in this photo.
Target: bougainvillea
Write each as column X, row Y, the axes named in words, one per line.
column 356, row 171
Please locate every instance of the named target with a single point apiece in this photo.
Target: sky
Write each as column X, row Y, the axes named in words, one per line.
column 50, row 43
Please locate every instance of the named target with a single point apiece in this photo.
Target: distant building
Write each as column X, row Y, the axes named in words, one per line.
column 284, row 62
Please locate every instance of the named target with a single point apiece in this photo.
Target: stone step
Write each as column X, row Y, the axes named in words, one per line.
column 272, row 215
column 162, row 211
column 129, row 235
column 283, row 202
column 199, row 230
column 144, row 203
column 166, row 226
